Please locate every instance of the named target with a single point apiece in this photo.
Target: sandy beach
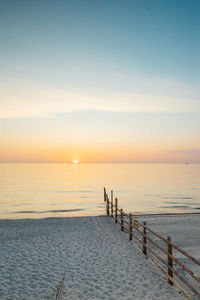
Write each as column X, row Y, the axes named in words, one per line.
column 99, row 150
column 99, row 261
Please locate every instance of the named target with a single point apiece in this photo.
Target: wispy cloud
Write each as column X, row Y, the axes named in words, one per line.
column 190, row 153
column 19, row 100
column 187, row 155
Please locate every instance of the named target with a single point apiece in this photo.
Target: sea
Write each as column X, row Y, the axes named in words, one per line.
column 45, row 190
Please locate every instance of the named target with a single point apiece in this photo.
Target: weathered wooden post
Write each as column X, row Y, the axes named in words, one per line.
column 108, row 209
column 104, row 189
column 170, row 261
column 116, row 206
column 112, row 208
column 144, row 239
column 122, row 221
column 130, row 228
column 112, row 195
column 106, row 204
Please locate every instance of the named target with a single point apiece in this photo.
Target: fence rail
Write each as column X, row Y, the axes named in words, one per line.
column 131, row 225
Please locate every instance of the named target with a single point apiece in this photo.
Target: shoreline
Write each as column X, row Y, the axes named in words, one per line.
column 167, row 214
column 104, row 215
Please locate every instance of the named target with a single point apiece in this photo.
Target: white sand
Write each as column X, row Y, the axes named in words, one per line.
column 184, row 231
column 100, row 261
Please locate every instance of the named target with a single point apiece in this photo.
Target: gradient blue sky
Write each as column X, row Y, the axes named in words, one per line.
column 100, row 81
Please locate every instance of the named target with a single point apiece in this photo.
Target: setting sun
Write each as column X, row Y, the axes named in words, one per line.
column 75, row 161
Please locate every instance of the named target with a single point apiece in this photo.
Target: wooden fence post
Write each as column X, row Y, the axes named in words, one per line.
column 104, row 189
column 111, row 195
column 144, row 239
column 112, row 207
column 106, row 204
column 108, row 209
column 116, row 206
column 131, row 228
column 122, row 221
column 170, row 261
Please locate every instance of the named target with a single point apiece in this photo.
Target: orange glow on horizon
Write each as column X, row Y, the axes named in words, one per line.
column 39, row 153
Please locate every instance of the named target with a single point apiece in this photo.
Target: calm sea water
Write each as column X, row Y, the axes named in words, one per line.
column 59, row 190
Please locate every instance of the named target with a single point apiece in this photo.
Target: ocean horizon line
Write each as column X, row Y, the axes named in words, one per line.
column 104, row 162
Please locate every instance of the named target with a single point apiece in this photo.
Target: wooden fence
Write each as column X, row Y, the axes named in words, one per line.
column 149, row 241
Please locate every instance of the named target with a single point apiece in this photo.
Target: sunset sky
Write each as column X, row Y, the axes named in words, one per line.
column 100, row 81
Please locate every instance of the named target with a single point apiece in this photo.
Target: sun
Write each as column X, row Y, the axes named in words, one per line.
column 75, row 161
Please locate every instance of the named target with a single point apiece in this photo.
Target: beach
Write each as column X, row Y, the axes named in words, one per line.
column 99, row 150
column 99, row 260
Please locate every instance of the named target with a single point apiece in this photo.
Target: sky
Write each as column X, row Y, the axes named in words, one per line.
column 100, row 81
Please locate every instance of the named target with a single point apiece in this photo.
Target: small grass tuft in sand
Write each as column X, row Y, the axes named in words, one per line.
column 57, row 293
